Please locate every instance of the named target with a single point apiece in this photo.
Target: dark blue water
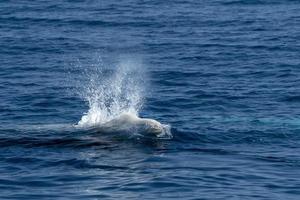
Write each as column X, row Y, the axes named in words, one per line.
column 224, row 74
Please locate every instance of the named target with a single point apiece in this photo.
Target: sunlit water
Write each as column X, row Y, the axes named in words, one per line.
column 221, row 79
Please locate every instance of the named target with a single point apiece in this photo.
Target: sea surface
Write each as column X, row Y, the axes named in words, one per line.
column 223, row 77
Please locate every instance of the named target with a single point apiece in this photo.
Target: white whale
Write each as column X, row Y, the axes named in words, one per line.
column 130, row 122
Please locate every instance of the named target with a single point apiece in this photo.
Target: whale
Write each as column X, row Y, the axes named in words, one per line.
column 128, row 122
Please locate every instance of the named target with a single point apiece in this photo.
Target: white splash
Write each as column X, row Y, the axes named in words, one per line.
column 111, row 94
column 116, row 95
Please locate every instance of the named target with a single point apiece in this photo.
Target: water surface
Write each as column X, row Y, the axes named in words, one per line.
column 223, row 74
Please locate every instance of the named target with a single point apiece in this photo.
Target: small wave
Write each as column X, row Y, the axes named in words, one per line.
column 294, row 99
column 244, row 2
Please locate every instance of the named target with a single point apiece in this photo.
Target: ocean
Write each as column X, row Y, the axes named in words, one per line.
column 207, row 91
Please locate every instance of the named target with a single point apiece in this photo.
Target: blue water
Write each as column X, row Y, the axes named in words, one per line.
column 223, row 74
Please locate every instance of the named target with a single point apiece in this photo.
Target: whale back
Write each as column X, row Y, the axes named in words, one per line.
column 128, row 122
